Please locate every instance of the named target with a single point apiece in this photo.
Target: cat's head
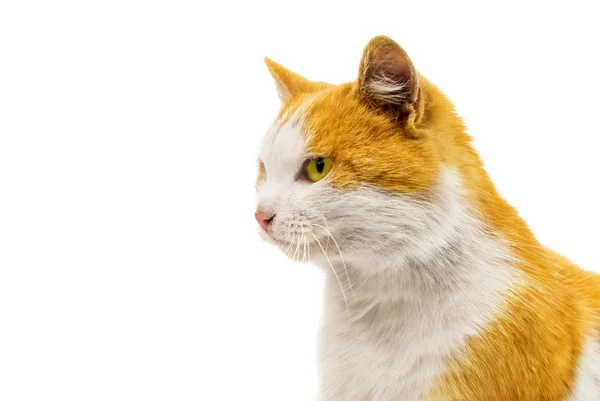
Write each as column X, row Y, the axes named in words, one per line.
column 355, row 170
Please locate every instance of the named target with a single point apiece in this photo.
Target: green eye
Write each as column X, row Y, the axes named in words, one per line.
column 317, row 169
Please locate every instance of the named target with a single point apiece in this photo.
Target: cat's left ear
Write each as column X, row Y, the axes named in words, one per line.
column 387, row 78
column 289, row 84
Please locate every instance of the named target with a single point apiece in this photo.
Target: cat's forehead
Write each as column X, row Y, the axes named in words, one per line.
column 284, row 147
column 292, row 134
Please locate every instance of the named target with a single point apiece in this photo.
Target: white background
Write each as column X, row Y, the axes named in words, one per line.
column 130, row 265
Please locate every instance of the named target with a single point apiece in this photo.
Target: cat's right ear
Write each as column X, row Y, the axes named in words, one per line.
column 289, row 84
column 387, row 77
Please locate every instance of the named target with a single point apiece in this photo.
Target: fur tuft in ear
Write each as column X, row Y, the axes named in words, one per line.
column 289, row 83
column 387, row 77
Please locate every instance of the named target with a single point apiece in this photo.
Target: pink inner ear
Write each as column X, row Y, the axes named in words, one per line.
column 390, row 77
column 392, row 66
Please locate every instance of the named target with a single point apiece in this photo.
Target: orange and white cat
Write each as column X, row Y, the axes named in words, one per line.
column 436, row 288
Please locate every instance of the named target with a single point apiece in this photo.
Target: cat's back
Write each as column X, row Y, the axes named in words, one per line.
column 584, row 289
column 547, row 339
column 583, row 286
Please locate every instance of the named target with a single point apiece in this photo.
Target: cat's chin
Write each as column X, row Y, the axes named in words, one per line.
column 320, row 251
column 296, row 251
column 273, row 241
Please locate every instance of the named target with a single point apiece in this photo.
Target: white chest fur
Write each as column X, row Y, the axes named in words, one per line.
column 398, row 331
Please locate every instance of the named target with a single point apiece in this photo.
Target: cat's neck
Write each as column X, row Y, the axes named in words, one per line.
column 468, row 269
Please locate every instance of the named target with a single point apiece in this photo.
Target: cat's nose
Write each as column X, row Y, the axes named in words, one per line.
column 264, row 218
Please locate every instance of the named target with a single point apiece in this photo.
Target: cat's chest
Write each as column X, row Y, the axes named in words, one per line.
column 391, row 359
column 395, row 340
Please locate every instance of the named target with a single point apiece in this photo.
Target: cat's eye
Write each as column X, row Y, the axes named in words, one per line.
column 317, row 169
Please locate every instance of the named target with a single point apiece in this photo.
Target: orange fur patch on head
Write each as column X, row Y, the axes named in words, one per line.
column 368, row 146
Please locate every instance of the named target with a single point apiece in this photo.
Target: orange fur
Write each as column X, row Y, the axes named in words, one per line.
column 555, row 306
column 262, row 174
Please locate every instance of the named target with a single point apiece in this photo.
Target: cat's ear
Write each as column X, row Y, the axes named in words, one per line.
column 387, row 77
column 289, row 83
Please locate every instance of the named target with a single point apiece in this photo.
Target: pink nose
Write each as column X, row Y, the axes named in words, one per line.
column 264, row 218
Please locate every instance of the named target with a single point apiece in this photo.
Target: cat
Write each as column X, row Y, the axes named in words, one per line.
column 435, row 289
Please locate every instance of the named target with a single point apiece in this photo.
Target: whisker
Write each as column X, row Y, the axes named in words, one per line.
column 322, row 216
column 289, row 248
column 302, row 243
column 341, row 256
column 303, row 248
column 297, row 251
column 335, row 273
column 290, row 242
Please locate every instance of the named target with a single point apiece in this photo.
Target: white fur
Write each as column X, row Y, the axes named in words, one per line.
column 587, row 384
column 387, row 90
column 283, row 153
column 408, row 279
